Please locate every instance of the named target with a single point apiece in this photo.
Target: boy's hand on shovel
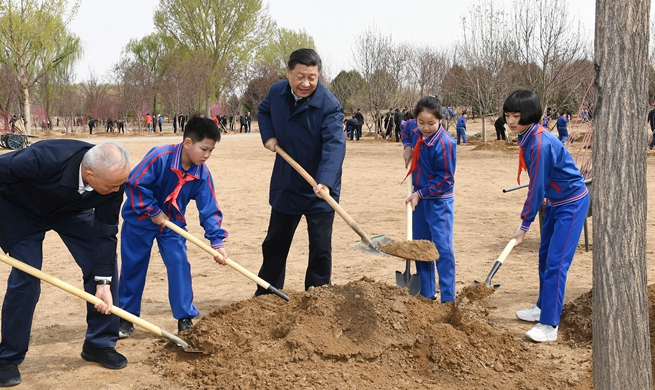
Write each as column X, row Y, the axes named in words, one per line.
column 104, row 292
column 518, row 235
column 218, row 259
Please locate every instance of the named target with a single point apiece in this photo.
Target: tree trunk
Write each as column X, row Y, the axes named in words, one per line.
column 28, row 110
column 621, row 342
column 484, row 128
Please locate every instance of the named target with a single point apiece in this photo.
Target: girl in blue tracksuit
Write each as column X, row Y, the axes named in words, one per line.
column 555, row 178
column 432, row 153
column 159, row 189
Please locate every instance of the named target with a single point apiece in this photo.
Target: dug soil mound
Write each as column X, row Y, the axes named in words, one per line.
column 362, row 335
column 575, row 324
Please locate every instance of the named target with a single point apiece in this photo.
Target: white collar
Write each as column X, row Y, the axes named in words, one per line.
column 81, row 186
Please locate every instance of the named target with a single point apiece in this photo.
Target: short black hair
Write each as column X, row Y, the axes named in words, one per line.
column 307, row 57
column 429, row 103
column 198, row 129
column 526, row 103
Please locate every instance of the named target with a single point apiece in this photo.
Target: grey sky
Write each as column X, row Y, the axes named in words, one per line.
column 105, row 27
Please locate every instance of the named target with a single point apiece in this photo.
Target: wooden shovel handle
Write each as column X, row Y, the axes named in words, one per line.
column 508, row 248
column 92, row 299
column 207, row 248
column 325, row 195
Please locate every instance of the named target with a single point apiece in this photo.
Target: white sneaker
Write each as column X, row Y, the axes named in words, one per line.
column 532, row 314
column 542, row 332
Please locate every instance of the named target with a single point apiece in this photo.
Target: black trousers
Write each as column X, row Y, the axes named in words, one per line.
column 275, row 249
column 23, row 290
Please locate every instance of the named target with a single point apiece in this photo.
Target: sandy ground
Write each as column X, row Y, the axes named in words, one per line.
column 372, row 194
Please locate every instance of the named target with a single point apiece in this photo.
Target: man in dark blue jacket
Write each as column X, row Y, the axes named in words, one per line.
column 75, row 189
column 306, row 120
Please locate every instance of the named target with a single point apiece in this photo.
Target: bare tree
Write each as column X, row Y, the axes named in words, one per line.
column 621, row 339
column 377, row 63
column 428, row 69
column 547, row 36
column 484, row 58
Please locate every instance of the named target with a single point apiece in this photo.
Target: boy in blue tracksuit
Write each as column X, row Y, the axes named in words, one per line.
column 562, row 127
column 554, row 177
column 432, row 153
column 159, row 189
column 461, row 128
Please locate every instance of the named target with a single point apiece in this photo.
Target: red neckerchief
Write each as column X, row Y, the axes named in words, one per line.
column 522, row 164
column 182, row 178
column 415, row 156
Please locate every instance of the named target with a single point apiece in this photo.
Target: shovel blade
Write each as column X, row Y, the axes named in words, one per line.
column 414, row 285
column 410, row 282
column 377, row 241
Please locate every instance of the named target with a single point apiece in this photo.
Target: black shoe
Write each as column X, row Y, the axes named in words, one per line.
column 9, row 375
column 125, row 329
column 106, row 357
column 184, row 324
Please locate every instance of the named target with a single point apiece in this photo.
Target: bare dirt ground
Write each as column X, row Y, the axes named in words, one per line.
column 362, row 332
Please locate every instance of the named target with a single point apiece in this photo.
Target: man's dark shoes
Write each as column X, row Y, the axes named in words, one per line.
column 106, row 357
column 184, row 324
column 9, row 375
column 125, row 329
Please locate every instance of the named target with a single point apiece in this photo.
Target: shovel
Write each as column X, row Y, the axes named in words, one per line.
column 370, row 244
column 202, row 245
column 407, row 280
column 497, row 264
column 92, row 299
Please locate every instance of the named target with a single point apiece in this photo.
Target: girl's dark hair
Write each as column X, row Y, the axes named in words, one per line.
column 526, row 103
column 307, row 57
column 429, row 103
column 197, row 129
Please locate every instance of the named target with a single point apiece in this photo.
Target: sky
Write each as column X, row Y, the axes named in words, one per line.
column 105, row 27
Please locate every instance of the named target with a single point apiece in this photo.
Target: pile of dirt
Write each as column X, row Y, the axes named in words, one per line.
column 421, row 250
column 364, row 335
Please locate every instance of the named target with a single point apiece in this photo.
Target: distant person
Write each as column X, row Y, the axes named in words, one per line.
column 92, row 125
column 554, row 177
column 499, row 124
column 149, row 122
column 182, row 120
column 562, row 127
column 352, row 125
column 160, row 120
column 75, row 189
column 388, row 123
column 159, row 189
column 431, row 151
column 244, row 124
column 651, row 122
column 461, row 129
column 249, row 121
column 398, row 118
column 306, row 120
column 360, row 122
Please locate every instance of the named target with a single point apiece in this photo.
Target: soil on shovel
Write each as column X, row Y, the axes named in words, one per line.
column 420, row 250
column 362, row 335
column 477, row 292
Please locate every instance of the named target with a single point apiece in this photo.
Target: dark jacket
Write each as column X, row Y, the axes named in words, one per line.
column 40, row 184
column 398, row 117
column 311, row 132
